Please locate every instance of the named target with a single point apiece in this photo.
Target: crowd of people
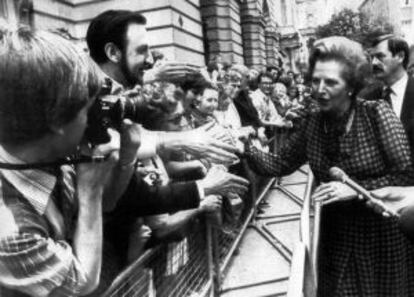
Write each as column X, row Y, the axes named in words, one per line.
column 117, row 150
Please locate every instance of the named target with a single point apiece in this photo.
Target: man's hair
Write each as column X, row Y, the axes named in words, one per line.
column 110, row 26
column 345, row 51
column 269, row 68
column 395, row 45
column 286, row 80
column 45, row 81
column 243, row 70
column 264, row 74
column 157, row 55
column 212, row 66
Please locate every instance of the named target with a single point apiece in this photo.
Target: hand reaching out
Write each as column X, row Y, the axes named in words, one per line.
column 204, row 143
column 211, row 203
column 219, row 182
column 395, row 198
column 174, row 72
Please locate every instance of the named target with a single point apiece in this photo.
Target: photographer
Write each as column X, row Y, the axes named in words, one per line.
column 51, row 232
column 118, row 42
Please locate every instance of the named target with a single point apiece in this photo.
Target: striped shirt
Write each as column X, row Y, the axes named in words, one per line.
column 35, row 257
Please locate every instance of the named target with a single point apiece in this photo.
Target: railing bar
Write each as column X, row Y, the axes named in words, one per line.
column 244, row 227
column 264, row 191
column 128, row 270
column 297, row 279
column 293, row 184
column 237, row 241
column 282, row 218
column 271, row 281
column 207, row 288
column 275, row 242
column 276, row 239
column 288, row 193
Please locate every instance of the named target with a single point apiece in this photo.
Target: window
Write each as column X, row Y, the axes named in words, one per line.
column 25, row 11
column 3, row 9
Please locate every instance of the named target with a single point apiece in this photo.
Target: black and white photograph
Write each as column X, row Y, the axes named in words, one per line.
column 207, row 148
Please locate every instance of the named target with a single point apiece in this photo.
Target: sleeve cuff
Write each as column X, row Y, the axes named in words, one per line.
column 200, row 189
column 148, row 147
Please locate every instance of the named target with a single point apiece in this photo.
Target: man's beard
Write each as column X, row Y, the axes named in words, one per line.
column 131, row 78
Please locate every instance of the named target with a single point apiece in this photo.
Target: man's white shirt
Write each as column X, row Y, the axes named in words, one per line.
column 397, row 94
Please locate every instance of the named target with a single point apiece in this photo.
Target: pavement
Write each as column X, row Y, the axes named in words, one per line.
column 262, row 263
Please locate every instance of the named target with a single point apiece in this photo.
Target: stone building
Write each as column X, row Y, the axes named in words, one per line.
column 254, row 32
column 399, row 13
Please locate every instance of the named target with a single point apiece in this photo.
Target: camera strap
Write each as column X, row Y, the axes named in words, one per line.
column 59, row 162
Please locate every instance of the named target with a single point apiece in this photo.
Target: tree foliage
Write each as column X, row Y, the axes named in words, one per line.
column 354, row 25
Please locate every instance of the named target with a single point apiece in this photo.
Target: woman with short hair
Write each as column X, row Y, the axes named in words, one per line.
column 361, row 253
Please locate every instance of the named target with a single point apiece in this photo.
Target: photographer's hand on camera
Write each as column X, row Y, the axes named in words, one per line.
column 91, row 180
column 93, row 176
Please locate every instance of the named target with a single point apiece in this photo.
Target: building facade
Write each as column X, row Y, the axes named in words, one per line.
column 399, row 13
column 253, row 32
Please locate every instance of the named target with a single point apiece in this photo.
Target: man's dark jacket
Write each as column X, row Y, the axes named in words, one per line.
column 247, row 111
column 407, row 110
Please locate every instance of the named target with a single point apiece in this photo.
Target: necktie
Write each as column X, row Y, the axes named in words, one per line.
column 66, row 202
column 387, row 95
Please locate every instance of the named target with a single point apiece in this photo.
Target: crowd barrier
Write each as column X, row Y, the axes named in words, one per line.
column 196, row 266
column 303, row 276
column 193, row 267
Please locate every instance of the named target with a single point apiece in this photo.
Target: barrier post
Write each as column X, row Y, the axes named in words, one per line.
column 216, row 263
column 302, row 281
column 210, row 259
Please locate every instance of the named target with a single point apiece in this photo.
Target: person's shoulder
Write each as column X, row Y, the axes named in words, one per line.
column 378, row 110
column 372, row 91
column 372, row 104
column 410, row 83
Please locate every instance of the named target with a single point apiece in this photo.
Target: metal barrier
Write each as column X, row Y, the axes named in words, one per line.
column 302, row 281
column 195, row 267
column 175, row 269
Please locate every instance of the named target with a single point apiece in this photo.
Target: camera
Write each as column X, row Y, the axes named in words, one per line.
column 108, row 111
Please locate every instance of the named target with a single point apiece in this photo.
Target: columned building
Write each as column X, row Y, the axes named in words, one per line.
column 253, row 32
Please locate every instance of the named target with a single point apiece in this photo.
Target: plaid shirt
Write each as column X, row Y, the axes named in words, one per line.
column 361, row 253
column 35, row 258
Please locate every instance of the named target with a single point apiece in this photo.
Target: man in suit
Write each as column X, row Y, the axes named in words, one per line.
column 390, row 56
